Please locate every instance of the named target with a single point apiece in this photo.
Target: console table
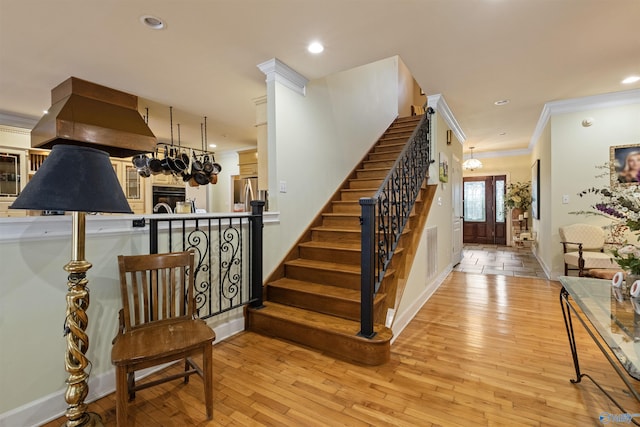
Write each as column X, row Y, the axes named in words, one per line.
column 615, row 318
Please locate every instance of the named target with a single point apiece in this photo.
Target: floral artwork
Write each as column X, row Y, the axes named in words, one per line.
column 443, row 169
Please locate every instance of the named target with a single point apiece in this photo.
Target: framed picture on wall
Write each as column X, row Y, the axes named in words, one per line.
column 624, row 162
column 535, row 189
column 443, row 169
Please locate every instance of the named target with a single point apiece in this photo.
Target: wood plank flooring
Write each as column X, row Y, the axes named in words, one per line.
column 484, row 350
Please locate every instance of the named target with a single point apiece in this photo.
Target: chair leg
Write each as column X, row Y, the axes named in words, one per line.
column 121, row 396
column 187, row 366
column 131, row 384
column 207, row 368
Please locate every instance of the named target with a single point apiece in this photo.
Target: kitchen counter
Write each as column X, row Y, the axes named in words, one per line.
column 59, row 226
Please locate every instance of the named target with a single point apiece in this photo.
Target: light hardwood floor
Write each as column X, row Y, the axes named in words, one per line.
column 484, row 350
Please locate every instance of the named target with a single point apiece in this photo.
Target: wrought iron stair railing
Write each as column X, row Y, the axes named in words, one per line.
column 228, row 250
column 385, row 215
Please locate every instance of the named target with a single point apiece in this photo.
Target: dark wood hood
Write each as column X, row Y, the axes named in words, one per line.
column 85, row 113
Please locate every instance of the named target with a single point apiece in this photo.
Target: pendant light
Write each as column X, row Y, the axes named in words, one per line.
column 471, row 163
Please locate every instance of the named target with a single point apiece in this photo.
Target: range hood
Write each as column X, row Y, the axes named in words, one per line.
column 88, row 114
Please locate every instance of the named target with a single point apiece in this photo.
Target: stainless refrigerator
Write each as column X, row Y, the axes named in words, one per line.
column 244, row 191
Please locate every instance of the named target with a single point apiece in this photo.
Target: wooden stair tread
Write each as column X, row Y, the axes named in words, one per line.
column 354, row 190
column 335, row 267
column 372, row 169
column 344, row 246
column 325, row 265
column 317, row 288
column 337, row 325
column 348, row 230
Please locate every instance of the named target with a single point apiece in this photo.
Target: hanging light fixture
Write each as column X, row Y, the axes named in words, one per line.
column 471, row 163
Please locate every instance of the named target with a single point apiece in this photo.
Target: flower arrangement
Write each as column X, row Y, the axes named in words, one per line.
column 518, row 196
column 628, row 258
column 621, row 203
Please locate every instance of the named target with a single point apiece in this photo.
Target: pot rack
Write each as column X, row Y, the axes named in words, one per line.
column 203, row 137
column 197, row 150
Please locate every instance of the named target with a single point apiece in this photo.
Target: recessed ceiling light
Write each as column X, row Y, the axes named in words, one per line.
column 631, row 79
column 315, row 47
column 502, row 102
column 212, row 145
column 45, row 111
column 502, row 133
column 152, row 22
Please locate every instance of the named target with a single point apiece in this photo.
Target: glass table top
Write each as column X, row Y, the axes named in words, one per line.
column 613, row 314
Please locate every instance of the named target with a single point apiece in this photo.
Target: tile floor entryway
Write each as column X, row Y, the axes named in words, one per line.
column 496, row 259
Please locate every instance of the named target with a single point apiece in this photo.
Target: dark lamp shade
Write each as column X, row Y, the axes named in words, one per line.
column 74, row 178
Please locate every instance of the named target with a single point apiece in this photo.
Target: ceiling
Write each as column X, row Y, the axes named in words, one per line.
column 204, row 63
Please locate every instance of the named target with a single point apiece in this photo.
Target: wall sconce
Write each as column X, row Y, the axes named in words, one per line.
column 449, row 137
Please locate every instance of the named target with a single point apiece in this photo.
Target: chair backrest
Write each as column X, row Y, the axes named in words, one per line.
column 156, row 287
column 591, row 236
column 417, row 110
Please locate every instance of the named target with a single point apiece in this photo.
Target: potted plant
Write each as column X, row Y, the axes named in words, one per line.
column 518, row 197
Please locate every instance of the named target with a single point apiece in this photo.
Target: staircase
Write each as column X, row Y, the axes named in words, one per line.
column 313, row 297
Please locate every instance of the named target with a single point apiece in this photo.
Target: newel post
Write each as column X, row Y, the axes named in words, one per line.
column 257, row 207
column 367, row 262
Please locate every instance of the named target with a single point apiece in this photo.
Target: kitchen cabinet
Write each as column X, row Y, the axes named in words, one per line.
column 12, row 171
column 15, row 164
column 132, row 184
column 248, row 163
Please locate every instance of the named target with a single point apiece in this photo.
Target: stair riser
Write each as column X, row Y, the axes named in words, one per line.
column 330, row 255
column 396, row 139
column 382, row 156
column 320, row 303
column 349, row 207
column 376, row 164
column 345, row 347
column 324, row 277
column 335, row 236
column 357, row 194
column 392, row 148
column 341, row 221
column 368, row 183
column 380, row 174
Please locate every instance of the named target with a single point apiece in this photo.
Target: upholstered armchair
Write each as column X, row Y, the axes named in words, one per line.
column 583, row 246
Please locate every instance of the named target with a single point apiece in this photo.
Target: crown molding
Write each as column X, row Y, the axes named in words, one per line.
column 438, row 103
column 278, row 71
column 574, row 105
column 18, row 120
column 495, row 154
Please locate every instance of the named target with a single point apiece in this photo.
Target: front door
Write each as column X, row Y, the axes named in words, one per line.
column 484, row 214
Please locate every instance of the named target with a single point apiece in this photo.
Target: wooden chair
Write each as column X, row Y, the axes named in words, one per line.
column 583, row 246
column 157, row 325
column 417, row 110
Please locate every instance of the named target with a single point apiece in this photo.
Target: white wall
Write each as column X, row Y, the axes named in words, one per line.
column 220, row 195
column 419, row 287
column 33, row 251
column 316, row 139
column 569, row 154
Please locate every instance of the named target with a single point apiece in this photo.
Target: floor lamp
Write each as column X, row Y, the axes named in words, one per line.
column 75, row 179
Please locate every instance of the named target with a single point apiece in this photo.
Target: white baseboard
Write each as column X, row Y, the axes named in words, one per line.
column 54, row 406
column 547, row 270
column 404, row 318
